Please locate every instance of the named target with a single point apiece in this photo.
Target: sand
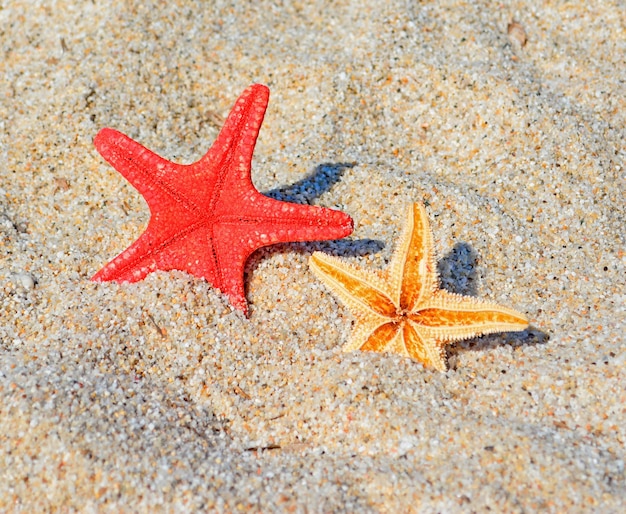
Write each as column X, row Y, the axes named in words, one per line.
column 158, row 396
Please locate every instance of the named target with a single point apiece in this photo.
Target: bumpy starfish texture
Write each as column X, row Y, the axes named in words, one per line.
column 402, row 310
column 207, row 217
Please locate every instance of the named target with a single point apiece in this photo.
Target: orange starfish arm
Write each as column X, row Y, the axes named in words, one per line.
column 413, row 270
column 379, row 339
column 423, row 350
column 361, row 292
column 450, row 317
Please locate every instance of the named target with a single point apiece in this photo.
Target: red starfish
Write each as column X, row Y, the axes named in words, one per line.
column 207, row 217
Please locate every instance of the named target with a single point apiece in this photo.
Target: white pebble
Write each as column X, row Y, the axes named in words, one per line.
column 25, row 280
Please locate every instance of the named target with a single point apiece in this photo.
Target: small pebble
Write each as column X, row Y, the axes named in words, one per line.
column 25, row 280
column 517, row 34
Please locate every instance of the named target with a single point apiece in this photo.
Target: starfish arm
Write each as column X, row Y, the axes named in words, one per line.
column 145, row 170
column 219, row 265
column 384, row 337
column 161, row 247
column 267, row 221
column 362, row 292
column 132, row 264
column 451, row 317
column 413, row 270
column 230, row 156
column 307, row 222
column 373, row 333
column 223, row 268
column 423, row 349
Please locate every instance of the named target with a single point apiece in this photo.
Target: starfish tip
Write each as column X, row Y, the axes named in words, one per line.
column 104, row 137
column 259, row 89
column 104, row 275
column 345, row 222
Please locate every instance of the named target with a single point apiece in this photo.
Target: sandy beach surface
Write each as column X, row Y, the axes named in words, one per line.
column 506, row 119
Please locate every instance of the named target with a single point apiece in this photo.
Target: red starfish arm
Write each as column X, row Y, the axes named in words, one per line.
column 207, row 256
column 163, row 246
column 235, row 238
column 267, row 221
column 135, row 262
column 149, row 173
column 230, row 156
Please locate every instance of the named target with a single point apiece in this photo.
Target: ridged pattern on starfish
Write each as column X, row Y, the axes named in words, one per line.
column 207, row 217
column 403, row 310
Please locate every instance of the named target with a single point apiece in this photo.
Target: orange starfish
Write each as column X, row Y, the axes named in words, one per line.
column 207, row 217
column 403, row 310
